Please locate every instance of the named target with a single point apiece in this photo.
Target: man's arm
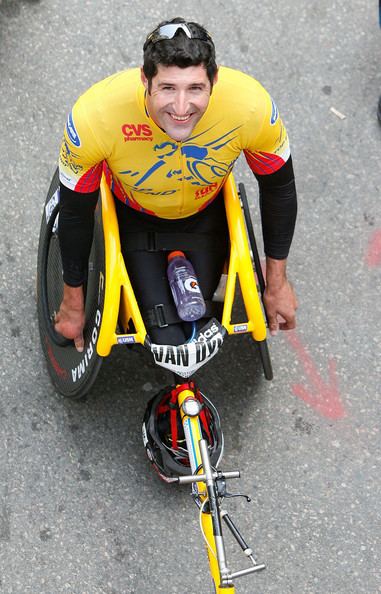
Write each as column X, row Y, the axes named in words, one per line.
column 278, row 203
column 75, row 232
column 279, row 297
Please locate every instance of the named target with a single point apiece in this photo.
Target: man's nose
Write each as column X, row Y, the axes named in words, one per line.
column 181, row 103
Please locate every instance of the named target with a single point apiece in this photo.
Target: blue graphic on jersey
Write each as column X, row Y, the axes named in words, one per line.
column 194, row 152
column 274, row 113
column 71, row 131
column 202, row 169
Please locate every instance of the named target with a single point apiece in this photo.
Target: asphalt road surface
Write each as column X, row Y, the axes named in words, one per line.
column 81, row 511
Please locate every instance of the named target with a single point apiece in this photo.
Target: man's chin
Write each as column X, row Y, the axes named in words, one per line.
column 178, row 138
column 179, row 132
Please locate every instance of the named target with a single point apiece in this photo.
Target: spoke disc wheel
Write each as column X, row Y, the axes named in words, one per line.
column 72, row 373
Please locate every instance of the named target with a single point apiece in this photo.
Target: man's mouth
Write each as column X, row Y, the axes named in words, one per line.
column 178, row 118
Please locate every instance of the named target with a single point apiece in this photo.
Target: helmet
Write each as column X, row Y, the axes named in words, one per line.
column 163, row 433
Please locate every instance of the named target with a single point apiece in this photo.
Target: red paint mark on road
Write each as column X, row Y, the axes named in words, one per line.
column 373, row 256
column 323, row 397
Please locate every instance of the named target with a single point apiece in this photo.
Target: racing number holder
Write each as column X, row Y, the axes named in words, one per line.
column 120, row 302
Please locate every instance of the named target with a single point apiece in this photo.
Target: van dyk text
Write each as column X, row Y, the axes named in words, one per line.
column 186, row 355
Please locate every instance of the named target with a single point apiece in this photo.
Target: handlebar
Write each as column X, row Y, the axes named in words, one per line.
column 242, row 572
column 211, row 478
column 201, row 478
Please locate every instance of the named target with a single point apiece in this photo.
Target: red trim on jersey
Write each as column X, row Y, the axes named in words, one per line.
column 263, row 163
column 90, row 181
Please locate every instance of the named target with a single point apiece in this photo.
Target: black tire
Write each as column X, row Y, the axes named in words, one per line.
column 262, row 345
column 264, row 354
column 72, row 373
column 251, row 236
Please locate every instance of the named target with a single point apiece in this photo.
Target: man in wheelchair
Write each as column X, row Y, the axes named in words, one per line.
column 166, row 137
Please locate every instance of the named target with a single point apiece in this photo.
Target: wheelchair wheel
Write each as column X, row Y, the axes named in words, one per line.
column 264, row 354
column 72, row 373
column 263, row 347
column 251, row 236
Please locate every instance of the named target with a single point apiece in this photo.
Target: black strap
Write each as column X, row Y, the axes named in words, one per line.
column 161, row 316
column 152, row 241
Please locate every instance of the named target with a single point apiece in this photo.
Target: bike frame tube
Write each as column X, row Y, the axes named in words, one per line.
column 193, row 436
column 192, row 430
column 207, row 526
column 120, row 298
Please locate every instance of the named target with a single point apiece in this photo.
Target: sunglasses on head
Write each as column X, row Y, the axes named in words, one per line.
column 171, row 29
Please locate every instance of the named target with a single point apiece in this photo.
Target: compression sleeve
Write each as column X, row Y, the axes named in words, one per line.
column 278, row 204
column 75, row 232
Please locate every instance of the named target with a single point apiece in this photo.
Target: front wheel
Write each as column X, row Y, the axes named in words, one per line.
column 72, row 373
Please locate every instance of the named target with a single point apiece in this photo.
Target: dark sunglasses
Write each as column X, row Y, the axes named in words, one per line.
column 169, row 31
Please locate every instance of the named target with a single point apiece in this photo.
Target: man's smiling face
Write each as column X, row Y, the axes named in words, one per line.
column 178, row 98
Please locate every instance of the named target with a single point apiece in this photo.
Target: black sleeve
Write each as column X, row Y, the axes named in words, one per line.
column 278, row 204
column 75, row 232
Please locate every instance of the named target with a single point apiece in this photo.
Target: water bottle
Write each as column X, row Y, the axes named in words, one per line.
column 185, row 289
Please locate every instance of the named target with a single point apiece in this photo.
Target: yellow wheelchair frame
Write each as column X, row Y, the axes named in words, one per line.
column 121, row 306
column 114, row 318
column 120, row 302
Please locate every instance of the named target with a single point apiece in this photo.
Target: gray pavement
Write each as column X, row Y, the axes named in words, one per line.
column 80, row 510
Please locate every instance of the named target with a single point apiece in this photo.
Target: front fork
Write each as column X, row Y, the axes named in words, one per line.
column 204, row 482
column 213, row 518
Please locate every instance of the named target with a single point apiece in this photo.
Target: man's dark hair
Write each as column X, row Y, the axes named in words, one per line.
column 180, row 51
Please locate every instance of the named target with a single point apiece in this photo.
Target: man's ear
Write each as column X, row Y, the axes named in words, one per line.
column 144, row 79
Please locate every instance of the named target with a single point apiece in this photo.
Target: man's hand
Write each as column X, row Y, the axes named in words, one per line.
column 279, row 297
column 70, row 320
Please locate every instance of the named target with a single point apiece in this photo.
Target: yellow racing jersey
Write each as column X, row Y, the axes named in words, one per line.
column 109, row 130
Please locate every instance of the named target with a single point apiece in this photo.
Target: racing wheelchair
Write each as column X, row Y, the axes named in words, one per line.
column 113, row 318
column 110, row 303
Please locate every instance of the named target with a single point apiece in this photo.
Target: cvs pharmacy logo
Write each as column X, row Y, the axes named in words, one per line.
column 136, row 132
